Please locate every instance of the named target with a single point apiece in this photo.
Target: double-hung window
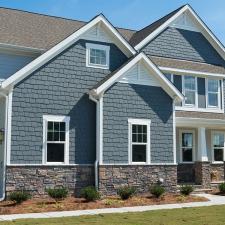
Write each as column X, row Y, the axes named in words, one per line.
column 187, row 146
column 97, row 56
column 217, row 146
column 139, row 140
column 190, row 90
column 213, row 93
column 56, row 139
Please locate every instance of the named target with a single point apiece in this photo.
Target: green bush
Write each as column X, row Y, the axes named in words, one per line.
column 19, row 196
column 126, row 192
column 186, row 189
column 57, row 193
column 222, row 188
column 157, row 190
column 90, row 194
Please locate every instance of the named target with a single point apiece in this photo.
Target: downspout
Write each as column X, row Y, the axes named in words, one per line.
column 97, row 141
column 5, row 144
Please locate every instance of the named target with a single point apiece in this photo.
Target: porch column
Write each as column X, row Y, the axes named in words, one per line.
column 202, row 165
column 202, row 150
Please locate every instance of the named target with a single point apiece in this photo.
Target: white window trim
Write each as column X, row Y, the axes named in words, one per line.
column 180, row 146
column 54, row 118
column 100, row 47
column 148, row 155
column 196, row 93
column 212, row 147
column 218, row 92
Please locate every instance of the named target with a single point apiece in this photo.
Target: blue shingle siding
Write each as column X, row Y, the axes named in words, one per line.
column 58, row 88
column 123, row 101
column 183, row 44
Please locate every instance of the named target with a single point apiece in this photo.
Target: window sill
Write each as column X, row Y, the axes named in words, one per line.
column 97, row 66
column 186, row 162
column 218, row 163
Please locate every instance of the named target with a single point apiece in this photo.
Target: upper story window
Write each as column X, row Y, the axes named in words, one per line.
column 97, row 56
column 213, row 93
column 56, row 139
column 139, row 136
column 190, row 90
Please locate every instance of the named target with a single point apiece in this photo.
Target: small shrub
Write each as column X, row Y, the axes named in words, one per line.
column 157, row 190
column 57, row 193
column 19, row 196
column 186, row 190
column 90, row 194
column 222, row 188
column 126, row 192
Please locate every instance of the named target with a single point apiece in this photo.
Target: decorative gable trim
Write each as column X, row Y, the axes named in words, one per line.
column 199, row 24
column 139, row 74
column 57, row 49
column 171, row 90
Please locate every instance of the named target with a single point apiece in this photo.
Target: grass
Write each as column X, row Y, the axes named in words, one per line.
column 213, row 215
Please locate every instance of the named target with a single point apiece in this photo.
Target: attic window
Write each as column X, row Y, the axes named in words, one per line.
column 97, row 56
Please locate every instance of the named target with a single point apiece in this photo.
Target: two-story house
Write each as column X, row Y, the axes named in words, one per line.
column 86, row 103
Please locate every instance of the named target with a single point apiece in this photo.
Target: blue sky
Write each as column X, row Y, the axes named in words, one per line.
column 134, row 14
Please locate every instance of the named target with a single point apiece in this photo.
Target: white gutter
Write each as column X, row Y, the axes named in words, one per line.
column 5, row 146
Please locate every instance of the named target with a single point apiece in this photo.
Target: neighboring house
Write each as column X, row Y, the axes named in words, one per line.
column 90, row 104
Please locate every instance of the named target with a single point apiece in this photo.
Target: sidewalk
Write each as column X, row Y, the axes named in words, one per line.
column 213, row 200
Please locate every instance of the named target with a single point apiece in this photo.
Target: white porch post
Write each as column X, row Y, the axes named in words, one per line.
column 202, row 150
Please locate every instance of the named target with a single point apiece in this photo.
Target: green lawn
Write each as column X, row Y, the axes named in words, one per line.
column 213, row 215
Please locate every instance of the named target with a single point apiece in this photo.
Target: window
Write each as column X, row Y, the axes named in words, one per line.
column 217, row 146
column 139, row 135
column 213, row 93
column 190, row 90
column 56, row 139
column 169, row 76
column 187, row 146
column 97, row 56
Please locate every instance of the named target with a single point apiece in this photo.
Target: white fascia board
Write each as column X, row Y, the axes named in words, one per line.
column 166, row 84
column 208, row 35
column 57, row 49
column 160, row 29
column 183, row 71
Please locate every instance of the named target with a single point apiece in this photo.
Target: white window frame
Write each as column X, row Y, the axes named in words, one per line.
column 218, row 94
column 212, row 147
column 90, row 46
column 139, row 122
column 181, row 147
column 196, row 92
column 53, row 118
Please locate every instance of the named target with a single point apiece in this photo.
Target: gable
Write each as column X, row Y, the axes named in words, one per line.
column 185, row 21
column 117, row 75
column 185, row 45
column 186, row 18
column 139, row 74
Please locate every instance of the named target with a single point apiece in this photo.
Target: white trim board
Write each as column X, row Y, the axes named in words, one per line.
column 57, row 49
column 141, row 57
column 190, row 72
column 200, row 24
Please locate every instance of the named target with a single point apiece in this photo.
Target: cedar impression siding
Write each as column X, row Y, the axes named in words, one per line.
column 183, row 44
column 59, row 88
column 123, row 101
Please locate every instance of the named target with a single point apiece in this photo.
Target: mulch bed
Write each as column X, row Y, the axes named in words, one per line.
column 71, row 203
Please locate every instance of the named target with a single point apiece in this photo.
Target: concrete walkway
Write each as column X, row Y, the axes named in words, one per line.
column 213, row 200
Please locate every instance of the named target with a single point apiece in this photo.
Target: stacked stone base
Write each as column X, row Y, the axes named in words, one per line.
column 36, row 179
column 111, row 178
